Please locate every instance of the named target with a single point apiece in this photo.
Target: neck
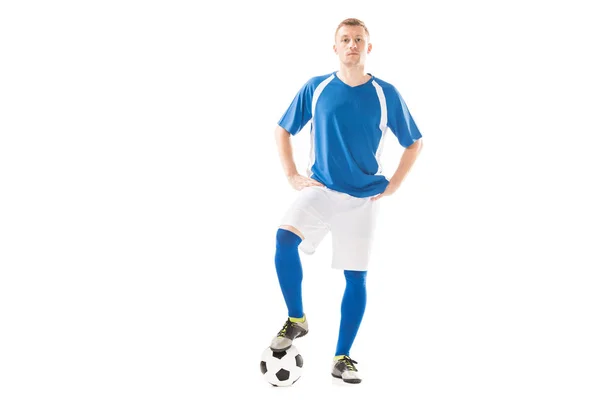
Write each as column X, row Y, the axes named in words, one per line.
column 354, row 75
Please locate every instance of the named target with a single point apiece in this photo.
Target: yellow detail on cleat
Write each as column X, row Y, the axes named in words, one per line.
column 337, row 358
column 292, row 319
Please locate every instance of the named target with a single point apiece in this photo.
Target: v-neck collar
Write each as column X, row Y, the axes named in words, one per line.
column 353, row 87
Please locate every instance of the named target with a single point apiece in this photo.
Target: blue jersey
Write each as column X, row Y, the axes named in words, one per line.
column 348, row 124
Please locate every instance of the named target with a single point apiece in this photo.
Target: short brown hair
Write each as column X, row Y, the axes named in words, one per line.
column 352, row 22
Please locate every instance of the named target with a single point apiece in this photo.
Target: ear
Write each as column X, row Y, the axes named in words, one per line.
column 369, row 48
column 335, row 49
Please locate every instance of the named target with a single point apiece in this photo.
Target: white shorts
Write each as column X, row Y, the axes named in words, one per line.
column 351, row 220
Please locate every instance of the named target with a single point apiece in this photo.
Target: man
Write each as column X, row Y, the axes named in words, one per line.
column 350, row 111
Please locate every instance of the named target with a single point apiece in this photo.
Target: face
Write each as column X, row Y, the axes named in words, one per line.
column 352, row 45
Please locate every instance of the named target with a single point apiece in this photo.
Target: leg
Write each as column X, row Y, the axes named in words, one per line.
column 289, row 273
column 352, row 238
column 289, row 269
column 353, row 308
column 302, row 228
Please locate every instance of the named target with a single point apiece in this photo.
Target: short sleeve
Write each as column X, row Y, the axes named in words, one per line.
column 400, row 120
column 299, row 112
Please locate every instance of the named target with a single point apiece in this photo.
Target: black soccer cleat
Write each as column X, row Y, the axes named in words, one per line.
column 345, row 370
column 289, row 332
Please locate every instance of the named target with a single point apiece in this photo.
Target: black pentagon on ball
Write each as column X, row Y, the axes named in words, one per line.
column 283, row 374
column 279, row 354
column 263, row 367
column 299, row 361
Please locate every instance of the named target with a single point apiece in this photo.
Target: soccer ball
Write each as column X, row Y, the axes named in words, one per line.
column 281, row 368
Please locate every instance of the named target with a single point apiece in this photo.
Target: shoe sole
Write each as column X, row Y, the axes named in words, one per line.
column 285, row 348
column 347, row 380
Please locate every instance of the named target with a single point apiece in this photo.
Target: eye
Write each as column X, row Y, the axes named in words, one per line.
column 358, row 39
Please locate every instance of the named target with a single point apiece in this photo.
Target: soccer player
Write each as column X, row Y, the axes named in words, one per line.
column 350, row 112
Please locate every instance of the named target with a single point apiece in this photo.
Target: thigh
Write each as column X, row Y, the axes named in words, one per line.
column 352, row 234
column 311, row 215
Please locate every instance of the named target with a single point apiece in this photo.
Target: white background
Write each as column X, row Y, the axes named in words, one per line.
column 140, row 193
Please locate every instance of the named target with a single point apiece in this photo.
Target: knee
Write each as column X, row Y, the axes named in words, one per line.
column 358, row 278
column 287, row 238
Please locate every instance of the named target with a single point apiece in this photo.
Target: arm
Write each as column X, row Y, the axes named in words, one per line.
column 409, row 156
column 286, row 156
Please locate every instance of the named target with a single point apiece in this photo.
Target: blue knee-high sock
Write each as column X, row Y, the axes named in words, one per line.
column 289, row 271
column 354, row 303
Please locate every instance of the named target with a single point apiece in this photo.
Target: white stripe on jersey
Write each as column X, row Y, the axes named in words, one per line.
column 382, row 124
column 311, row 155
